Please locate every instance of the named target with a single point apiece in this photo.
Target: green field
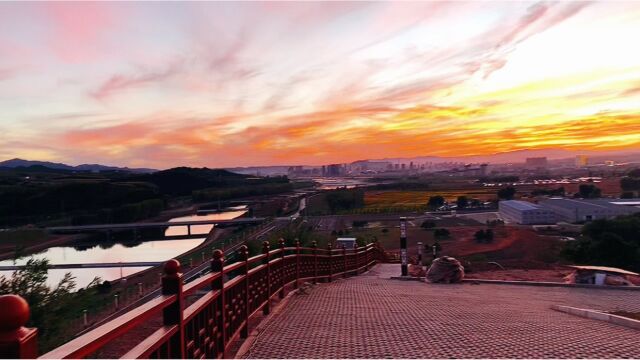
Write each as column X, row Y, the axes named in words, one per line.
column 416, row 199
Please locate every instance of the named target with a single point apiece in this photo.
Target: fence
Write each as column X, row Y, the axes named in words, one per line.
column 228, row 297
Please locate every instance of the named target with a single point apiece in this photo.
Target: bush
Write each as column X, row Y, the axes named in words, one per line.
column 435, row 202
column 428, row 224
column 360, row 223
column 507, row 193
column 441, row 233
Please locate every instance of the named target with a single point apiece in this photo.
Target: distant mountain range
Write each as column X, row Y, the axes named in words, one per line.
column 29, row 164
column 519, row 156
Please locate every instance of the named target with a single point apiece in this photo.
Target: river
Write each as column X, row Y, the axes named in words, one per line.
column 134, row 251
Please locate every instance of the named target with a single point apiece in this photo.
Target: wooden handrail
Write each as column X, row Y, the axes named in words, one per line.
column 206, row 327
column 92, row 341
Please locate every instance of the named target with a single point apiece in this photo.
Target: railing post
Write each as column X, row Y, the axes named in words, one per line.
column 282, row 282
column 329, row 247
column 265, row 250
column 355, row 258
column 344, row 259
column 314, row 246
column 16, row 341
column 217, row 265
column 244, row 256
column 172, row 314
column 295, row 285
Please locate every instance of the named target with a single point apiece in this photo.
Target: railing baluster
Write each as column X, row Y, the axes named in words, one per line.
column 172, row 314
column 344, row 261
column 314, row 246
column 355, row 258
column 265, row 250
column 282, row 269
column 244, row 256
column 16, row 341
column 329, row 247
column 295, row 285
column 217, row 265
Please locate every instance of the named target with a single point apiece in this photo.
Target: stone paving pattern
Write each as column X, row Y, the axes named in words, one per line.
column 372, row 316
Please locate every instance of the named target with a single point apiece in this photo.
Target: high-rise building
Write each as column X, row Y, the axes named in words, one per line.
column 536, row 163
column 581, row 161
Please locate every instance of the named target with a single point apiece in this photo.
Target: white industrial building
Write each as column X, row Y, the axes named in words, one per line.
column 580, row 210
column 526, row 213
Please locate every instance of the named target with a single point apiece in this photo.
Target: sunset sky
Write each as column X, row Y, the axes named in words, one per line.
column 231, row 84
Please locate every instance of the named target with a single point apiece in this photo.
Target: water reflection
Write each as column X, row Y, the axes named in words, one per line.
column 99, row 250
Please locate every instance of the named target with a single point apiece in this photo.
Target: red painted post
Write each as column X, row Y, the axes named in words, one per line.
column 217, row 265
column 244, row 256
column 265, row 250
column 295, row 285
column 329, row 247
column 172, row 314
column 314, row 246
column 282, row 282
column 16, row 341
column 344, row 259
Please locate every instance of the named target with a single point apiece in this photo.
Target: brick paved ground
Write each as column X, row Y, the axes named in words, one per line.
column 371, row 316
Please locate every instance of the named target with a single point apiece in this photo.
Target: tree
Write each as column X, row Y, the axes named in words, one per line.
column 428, row 224
column 488, row 235
column 462, row 202
column 588, row 191
column 49, row 307
column 507, row 193
column 441, row 233
column 360, row 223
column 435, row 202
column 627, row 195
column 608, row 243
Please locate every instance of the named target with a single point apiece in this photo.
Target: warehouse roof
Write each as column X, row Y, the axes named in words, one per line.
column 520, row 205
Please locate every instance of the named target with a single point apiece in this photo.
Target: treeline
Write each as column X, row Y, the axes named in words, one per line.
column 344, row 199
column 240, row 191
column 608, row 243
column 402, row 185
column 36, row 202
column 60, row 197
column 498, row 179
column 122, row 214
column 631, row 184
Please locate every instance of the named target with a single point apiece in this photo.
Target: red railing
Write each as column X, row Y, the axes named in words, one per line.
column 228, row 297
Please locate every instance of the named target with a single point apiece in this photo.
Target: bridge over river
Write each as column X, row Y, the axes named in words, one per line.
column 88, row 266
column 143, row 225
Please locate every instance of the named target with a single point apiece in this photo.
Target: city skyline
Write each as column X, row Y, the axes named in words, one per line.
column 235, row 84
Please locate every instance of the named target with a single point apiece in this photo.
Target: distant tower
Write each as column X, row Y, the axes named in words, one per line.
column 483, row 169
column 581, row 161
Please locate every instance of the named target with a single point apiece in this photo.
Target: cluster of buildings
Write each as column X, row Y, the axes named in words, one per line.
column 555, row 210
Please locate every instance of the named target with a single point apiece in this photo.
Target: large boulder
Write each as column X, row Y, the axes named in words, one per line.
column 446, row 270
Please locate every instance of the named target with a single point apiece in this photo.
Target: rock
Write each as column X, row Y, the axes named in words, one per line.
column 446, row 270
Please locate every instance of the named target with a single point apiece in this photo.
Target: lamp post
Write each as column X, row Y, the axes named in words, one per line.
column 403, row 247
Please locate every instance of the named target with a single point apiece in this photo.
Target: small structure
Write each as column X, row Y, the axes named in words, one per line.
column 348, row 242
column 600, row 275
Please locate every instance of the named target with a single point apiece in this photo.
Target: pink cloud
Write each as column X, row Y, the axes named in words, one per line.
column 79, row 28
column 119, row 82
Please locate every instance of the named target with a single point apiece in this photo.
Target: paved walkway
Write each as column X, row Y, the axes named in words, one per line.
column 371, row 316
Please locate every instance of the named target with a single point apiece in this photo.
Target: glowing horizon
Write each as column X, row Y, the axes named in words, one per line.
column 269, row 83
